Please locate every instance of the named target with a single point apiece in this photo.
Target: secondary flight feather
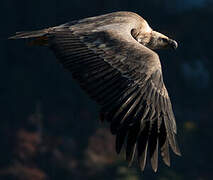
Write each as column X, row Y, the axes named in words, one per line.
column 111, row 56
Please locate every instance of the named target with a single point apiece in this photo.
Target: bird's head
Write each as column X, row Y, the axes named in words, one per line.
column 154, row 40
column 160, row 41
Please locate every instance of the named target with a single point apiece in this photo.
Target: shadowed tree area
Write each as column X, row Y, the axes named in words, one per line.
column 49, row 128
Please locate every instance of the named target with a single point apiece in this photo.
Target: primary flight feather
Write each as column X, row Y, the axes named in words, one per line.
column 112, row 58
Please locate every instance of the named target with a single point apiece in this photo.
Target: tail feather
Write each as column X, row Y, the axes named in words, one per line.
column 39, row 37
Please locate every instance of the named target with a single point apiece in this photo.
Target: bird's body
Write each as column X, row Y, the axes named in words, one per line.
column 112, row 58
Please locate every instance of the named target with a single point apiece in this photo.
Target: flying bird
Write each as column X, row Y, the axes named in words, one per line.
column 112, row 57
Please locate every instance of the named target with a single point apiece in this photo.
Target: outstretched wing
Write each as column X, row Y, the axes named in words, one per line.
column 125, row 78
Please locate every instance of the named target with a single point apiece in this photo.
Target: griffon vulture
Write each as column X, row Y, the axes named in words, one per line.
column 111, row 56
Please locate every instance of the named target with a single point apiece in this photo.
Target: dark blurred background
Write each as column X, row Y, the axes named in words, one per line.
column 49, row 128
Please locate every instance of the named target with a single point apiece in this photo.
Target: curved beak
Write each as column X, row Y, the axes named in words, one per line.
column 173, row 44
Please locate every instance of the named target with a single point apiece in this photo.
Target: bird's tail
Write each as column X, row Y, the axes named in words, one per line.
column 39, row 37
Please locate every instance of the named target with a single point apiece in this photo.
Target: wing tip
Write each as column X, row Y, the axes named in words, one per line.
column 155, row 169
column 178, row 153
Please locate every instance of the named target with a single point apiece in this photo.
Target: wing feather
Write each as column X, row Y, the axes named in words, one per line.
column 142, row 146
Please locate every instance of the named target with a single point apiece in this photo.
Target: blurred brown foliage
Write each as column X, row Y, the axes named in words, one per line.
column 101, row 149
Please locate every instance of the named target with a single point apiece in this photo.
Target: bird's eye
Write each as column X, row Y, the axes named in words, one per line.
column 164, row 40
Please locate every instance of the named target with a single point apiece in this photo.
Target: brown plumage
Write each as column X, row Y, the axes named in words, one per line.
column 112, row 58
